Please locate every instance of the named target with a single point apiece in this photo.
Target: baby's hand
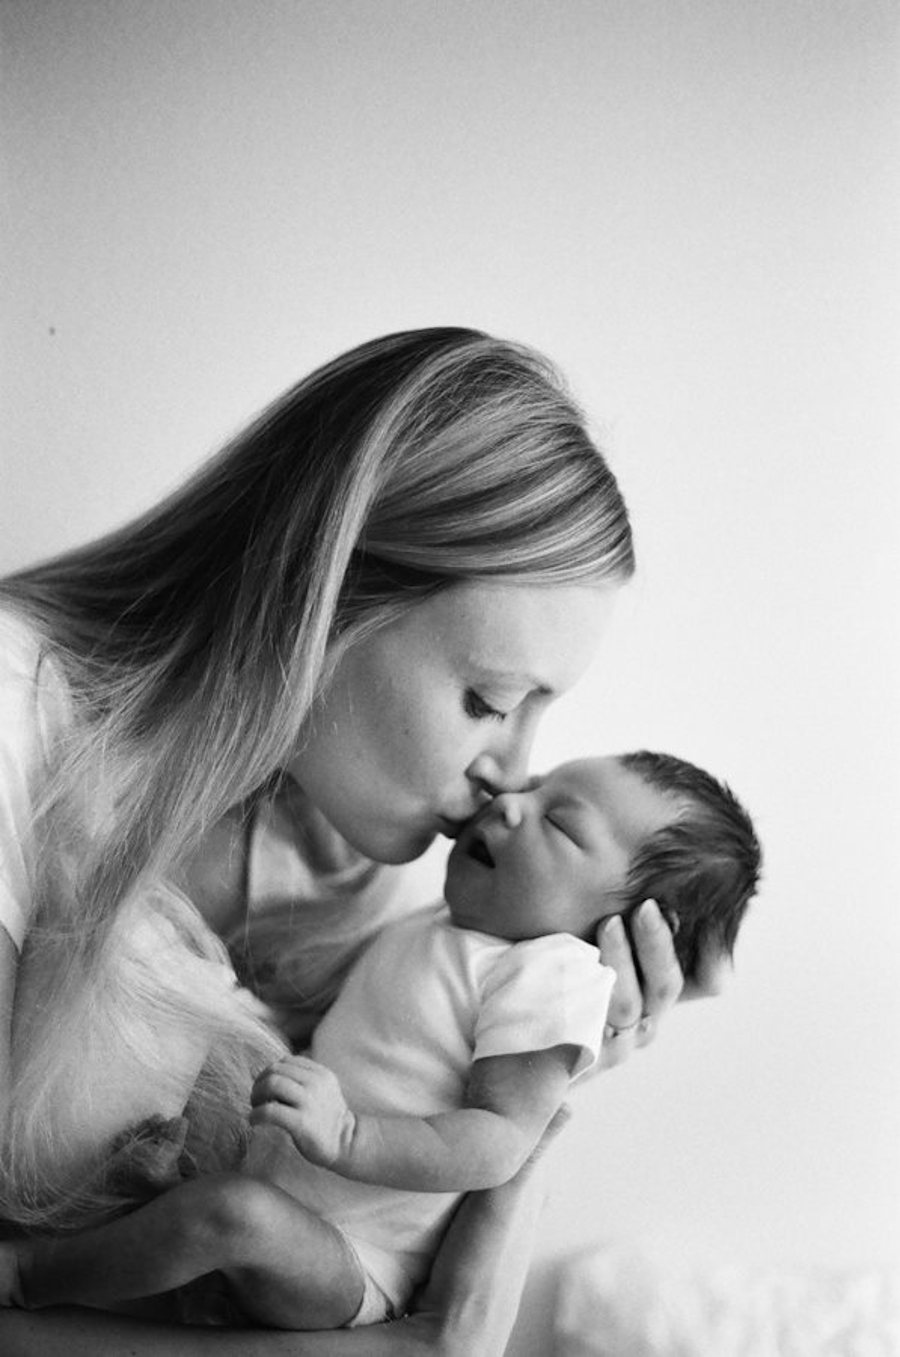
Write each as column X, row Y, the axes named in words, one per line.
column 305, row 1099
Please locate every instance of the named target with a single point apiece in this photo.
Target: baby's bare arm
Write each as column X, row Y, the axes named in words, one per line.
column 510, row 1101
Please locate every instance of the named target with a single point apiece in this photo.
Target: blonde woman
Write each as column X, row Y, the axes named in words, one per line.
column 235, row 719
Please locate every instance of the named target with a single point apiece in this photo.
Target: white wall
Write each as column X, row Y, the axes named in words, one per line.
column 692, row 208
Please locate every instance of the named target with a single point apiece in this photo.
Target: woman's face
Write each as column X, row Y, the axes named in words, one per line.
column 428, row 716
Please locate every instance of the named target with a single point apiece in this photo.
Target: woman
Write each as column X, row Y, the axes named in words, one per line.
column 235, row 718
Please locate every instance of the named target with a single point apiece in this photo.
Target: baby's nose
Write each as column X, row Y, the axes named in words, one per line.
column 508, row 807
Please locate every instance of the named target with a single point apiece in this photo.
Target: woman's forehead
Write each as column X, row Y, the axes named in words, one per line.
column 541, row 636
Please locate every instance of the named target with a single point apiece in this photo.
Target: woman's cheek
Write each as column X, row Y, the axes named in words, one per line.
column 444, row 737
column 426, row 748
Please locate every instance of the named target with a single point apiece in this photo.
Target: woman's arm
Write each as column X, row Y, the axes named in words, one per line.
column 468, row 1306
column 509, row 1102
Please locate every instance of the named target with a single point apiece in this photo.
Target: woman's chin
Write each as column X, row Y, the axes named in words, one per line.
column 393, row 847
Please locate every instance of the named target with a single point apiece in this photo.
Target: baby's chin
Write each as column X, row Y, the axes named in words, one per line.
column 463, row 912
column 476, row 924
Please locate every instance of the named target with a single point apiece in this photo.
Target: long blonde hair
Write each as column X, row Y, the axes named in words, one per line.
column 194, row 640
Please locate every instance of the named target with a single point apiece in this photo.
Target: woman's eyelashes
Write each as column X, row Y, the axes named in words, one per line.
column 475, row 706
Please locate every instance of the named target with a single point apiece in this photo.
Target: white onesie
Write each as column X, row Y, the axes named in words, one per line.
column 425, row 1000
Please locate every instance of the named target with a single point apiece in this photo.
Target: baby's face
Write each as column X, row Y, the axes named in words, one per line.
column 551, row 859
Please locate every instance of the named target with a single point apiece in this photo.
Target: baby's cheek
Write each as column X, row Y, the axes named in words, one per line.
column 525, row 906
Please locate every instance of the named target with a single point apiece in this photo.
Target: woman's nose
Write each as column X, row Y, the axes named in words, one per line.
column 493, row 774
column 485, row 779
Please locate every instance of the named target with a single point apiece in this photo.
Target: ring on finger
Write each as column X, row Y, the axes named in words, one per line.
column 611, row 1031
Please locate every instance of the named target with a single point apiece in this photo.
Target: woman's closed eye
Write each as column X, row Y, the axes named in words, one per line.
column 478, row 709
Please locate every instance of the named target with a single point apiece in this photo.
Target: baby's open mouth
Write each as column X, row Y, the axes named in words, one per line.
column 479, row 850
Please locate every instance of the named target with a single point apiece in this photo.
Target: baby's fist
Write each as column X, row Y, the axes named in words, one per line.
column 305, row 1099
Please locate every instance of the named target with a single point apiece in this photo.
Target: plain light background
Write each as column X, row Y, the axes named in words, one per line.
column 690, row 206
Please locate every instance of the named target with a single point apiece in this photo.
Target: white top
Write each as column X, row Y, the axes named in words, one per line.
column 425, row 1000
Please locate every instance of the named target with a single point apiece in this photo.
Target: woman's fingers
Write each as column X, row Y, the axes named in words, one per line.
column 648, row 979
column 625, row 1005
column 661, row 978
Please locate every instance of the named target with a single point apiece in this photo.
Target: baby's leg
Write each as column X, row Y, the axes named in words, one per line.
column 228, row 1223
column 293, row 1270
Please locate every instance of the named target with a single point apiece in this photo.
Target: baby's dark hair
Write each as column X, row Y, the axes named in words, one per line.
column 704, row 869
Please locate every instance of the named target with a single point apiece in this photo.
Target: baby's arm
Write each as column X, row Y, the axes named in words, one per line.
column 510, row 1099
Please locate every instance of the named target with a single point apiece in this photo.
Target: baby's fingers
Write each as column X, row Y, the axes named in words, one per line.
column 275, row 1114
column 280, row 1086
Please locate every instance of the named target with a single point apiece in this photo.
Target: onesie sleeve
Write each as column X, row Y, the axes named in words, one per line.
column 545, row 992
column 27, row 695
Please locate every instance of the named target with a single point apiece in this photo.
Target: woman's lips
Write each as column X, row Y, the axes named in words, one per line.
column 453, row 826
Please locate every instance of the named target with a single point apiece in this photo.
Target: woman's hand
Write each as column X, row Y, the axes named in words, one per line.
column 471, row 1300
column 648, row 980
